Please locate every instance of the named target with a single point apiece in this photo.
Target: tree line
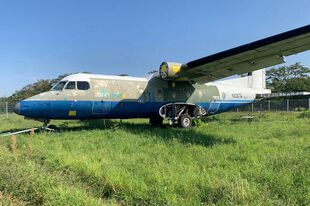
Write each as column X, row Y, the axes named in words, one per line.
column 293, row 78
column 41, row 85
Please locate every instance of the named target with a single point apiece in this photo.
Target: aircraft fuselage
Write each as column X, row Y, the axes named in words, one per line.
column 86, row 96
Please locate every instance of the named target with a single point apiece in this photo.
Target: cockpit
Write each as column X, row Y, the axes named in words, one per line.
column 71, row 85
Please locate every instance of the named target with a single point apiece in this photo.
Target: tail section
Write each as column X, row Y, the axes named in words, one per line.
column 255, row 80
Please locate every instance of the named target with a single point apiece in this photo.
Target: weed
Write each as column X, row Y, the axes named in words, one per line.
column 220, row 162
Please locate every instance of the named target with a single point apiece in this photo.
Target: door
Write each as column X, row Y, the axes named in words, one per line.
column 101, row 96
column 101, row 107
column 214, row 106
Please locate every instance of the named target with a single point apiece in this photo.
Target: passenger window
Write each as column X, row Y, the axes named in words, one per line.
column 70, row 85
column 83, row 85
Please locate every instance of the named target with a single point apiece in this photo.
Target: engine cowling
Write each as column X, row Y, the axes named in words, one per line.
column 169, row 70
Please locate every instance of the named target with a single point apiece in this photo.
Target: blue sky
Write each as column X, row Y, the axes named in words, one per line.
column 43, row 39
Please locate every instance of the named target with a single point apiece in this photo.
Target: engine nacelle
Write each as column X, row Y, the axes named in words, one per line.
column 169, row 70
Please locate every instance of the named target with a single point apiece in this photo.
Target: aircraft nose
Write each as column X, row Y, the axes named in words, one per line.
column 17, row 108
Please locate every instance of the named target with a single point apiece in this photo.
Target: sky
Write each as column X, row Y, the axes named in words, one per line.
column 44, row 39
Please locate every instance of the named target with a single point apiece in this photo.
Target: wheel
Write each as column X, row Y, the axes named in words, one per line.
column 185, row 121
column 53, row 128
column 156, row 121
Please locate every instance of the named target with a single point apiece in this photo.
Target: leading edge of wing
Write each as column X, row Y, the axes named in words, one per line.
column 250, row 46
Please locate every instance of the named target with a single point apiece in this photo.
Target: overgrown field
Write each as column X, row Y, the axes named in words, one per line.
column 223, row 161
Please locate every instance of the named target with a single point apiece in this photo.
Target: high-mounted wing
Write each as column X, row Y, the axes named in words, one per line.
column 246, row 58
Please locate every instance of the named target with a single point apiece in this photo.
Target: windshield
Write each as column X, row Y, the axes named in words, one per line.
column 59, row 86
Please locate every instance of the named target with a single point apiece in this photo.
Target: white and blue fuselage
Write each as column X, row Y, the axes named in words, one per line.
column 89, row 96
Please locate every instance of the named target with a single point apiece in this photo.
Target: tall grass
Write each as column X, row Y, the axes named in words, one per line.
column 221, row 162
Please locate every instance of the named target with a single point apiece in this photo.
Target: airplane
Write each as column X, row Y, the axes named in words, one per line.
column 178, row 92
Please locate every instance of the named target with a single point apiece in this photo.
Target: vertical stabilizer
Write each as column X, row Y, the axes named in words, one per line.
column 258, row 79
column 255, row 80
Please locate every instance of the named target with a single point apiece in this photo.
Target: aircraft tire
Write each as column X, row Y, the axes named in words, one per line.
column 185, row 121
column 53, row 128
column 156, row 121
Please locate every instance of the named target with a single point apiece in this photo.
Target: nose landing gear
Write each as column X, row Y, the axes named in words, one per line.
column 49, row 127
column 45, row 127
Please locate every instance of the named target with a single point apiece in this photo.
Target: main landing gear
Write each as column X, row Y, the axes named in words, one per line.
column 185, row 121
column 178, row 113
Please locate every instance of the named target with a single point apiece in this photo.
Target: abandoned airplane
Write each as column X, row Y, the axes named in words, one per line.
column 178, row 92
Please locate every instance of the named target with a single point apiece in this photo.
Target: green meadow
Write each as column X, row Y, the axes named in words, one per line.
column 221, row 161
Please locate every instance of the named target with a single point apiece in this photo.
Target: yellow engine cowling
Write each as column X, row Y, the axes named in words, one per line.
column 169, row 70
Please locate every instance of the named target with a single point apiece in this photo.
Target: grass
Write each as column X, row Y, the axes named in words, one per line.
column 219, row 162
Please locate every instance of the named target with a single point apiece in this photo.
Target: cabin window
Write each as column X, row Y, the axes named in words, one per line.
column 83, row 85
column 59, row 86
column 70, row 85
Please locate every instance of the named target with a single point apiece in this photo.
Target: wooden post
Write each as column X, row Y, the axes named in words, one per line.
column 309, row 104
column 269, row 105
column 252, row 107
column 32, row 132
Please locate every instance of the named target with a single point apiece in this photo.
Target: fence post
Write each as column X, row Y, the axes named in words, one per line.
column 269, row 105
column 261, row 109
column 287, row 105
column 6, row 110
column 309, row 104
column 252, row 107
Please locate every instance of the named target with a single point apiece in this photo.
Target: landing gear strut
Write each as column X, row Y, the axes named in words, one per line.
column 181, row 113
column 49, row 127
column 45, row 122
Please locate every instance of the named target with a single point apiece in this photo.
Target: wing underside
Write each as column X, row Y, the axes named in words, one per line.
column 249, row 57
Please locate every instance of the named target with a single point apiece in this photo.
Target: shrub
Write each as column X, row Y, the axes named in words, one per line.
column 305, row 114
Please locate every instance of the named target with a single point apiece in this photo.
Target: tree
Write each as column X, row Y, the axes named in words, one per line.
column 29, row 90
column 288, row 78
column 298, row 84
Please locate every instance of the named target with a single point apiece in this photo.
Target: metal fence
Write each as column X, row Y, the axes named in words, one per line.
column 279, row 104
column 6, row 108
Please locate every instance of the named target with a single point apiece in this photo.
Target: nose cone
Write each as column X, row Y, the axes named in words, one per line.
column 17, row 108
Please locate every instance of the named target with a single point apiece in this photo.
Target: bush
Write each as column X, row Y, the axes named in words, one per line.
column 305, row 114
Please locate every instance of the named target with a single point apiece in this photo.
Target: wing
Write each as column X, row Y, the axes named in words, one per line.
column 249, row 57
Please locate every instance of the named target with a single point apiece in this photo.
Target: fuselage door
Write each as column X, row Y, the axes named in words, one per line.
column 101, row 96
column 101, row 107
column 214, row 105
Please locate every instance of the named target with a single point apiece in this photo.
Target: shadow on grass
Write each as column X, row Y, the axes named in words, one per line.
column 185, row 136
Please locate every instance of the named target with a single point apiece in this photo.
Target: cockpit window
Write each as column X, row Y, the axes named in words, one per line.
column 59, row 86
column 82, row 85
column 70, row 85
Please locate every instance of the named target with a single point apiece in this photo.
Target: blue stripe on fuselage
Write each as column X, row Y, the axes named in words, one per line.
column 55, row 109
